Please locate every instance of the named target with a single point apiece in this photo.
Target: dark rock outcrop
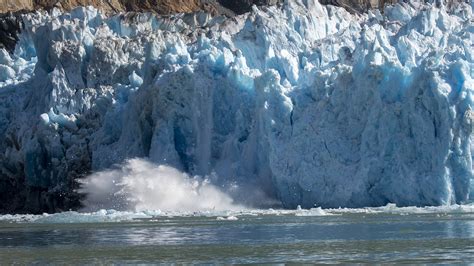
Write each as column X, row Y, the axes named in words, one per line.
column 243, row 6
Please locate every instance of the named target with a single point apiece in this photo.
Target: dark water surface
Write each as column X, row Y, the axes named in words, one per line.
column 401, row 237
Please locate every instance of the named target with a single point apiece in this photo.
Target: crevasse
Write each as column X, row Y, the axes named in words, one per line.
column 304, row 103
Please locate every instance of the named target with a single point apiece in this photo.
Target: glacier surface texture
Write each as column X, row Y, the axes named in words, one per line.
column 303, row 103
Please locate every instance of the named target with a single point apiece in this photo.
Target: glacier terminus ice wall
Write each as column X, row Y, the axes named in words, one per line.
column 307, row 104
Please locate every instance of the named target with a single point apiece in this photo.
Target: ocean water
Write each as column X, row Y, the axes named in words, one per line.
column 388, row 234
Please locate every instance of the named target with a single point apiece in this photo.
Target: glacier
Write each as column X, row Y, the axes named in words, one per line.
column 303, row 103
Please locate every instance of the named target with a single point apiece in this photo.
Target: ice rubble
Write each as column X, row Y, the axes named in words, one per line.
column 157, row 216
column 307, row 103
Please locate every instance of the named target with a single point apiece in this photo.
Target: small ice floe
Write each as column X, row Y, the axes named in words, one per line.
column 228, row 218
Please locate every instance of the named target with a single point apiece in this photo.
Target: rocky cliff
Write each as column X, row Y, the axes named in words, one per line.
column 158, row 6
column 182, row 6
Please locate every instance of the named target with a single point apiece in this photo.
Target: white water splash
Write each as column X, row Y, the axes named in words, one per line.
column 139, row 185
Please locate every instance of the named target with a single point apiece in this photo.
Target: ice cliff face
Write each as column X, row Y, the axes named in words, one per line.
column 311, row 104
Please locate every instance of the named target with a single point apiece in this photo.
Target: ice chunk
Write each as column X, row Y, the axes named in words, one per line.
column 135, row 80
column 61, row 119
column 6, row 73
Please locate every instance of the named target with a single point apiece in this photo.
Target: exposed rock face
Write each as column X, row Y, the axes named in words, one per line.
column 243, row 6
column 357, row 5
column 173, row 6
column 158, row 6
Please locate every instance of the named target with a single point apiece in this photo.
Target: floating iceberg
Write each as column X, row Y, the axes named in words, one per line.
column 303, row 103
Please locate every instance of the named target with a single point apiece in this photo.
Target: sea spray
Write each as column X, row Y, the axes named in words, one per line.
column 138, row 185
